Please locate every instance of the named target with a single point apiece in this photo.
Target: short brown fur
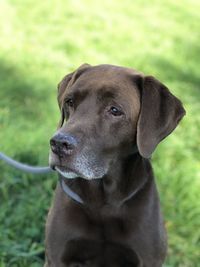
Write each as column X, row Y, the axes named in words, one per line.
column 120, row 223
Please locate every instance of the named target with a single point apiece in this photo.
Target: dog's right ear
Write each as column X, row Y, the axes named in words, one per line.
column 160, row 113
column 65, row 83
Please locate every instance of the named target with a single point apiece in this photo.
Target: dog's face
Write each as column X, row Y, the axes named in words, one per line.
column 99, row 124
column 107, row 112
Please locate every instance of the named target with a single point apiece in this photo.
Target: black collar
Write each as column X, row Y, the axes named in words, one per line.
column 69, row 192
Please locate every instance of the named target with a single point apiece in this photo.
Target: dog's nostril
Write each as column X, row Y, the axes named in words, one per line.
column 67, row 146
column 52, row 142
column 53, row 145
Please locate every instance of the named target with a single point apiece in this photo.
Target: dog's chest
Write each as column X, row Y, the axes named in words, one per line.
column 109, row 223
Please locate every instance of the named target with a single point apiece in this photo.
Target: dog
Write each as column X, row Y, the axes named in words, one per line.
column 106, row 209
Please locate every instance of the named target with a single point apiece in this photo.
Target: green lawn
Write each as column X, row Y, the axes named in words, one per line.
column 40, row 41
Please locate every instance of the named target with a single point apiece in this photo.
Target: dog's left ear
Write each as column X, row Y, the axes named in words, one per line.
column 65, row 83
column 160, row 113
column 68, row 80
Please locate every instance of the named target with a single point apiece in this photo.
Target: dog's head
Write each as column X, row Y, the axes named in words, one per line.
column 106, row 113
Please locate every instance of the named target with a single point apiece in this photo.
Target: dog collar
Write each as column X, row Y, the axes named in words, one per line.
column 69, row 192
column 78, row 199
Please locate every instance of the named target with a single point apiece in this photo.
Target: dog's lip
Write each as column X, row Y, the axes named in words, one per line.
column 71, row 174
column 67, row 172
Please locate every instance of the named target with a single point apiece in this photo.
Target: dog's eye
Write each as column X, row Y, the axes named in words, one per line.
column 115, row 111
column 70, row 102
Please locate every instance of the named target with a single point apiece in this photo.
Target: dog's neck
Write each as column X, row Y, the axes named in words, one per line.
column 111, row 188
column 135, row 172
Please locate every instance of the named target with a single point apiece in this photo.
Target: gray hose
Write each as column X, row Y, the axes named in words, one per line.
column 24, row 167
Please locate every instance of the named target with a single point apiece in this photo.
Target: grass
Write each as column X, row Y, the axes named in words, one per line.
column 43, row 40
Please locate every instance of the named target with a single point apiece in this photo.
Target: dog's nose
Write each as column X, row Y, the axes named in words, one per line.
column 63, row 144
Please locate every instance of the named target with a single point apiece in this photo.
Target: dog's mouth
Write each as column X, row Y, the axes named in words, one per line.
column 71, row 174
column 67, row 173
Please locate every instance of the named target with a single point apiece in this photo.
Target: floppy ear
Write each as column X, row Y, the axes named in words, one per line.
column 160, row 113
column 66, row 82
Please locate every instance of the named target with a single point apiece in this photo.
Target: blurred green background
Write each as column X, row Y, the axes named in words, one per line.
column 41, row 41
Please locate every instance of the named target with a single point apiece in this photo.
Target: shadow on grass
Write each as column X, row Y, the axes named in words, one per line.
column 174, row 73
column 24, row 112
column 21, row 93
column 188, row 72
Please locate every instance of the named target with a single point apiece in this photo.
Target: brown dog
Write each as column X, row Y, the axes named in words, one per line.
column 106, row 209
